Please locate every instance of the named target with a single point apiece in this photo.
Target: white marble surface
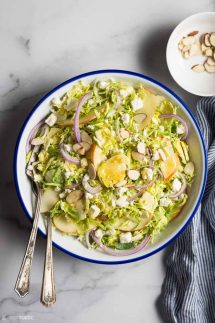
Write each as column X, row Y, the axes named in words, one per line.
column 42, row 44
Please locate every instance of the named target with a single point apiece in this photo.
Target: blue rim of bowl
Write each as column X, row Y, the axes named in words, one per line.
column 114, row 71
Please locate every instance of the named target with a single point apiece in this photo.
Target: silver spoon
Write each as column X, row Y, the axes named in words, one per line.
column 48, row 294
column 23, row 280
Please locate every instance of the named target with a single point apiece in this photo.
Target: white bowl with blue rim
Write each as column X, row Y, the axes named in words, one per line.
column 69, row 244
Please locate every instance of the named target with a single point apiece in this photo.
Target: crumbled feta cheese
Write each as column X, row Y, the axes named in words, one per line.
column 91, row 101
column 121, row 190
column 141, row 147
column 123, row 93
column 94, row 211
column 176, row 185
column 57, row 189
column 145, row 133
column 125, row 237
column 125, row 118
column 99, row 233
column 136, row 136
column 62, row 195
column 68, row 174
column 68, row 147
column 165, row 201
column 122, row 201
column 88, row 195
column 133, row 174
column 51, row 120
column 147, row 174
column 56, row 102
column 161, row 128
column 136, row 104
column 180, row 129
column 113, row 203
column 154, row 120
column 84, row 162
column 110, row 232
column 156, row 155
column 103, row 85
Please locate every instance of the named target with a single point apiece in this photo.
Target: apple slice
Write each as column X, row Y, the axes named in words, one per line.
column 64, row 225
column 48, row 200
column 96, row 156
column 83, row 120
column 169, row 166
column 129, row 224
column 149, row 105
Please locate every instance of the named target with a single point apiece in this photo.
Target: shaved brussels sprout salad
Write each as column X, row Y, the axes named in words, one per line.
column 113, row 164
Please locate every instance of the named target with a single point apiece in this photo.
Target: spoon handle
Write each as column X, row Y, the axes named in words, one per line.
column 23, row 280
column 48, row 294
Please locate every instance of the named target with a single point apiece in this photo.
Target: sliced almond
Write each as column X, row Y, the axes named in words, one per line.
column 180, row 46
column 86, row 138
column 37, row 141
column 76, row 147
column 74, row 196
column 195, row 49
column 92, row 171
column 212, row 39
column 121, row 183
column 186, row 54
column 185, row 49
column 133, row 174
column 209, row 68
column 193, row 33
column 85, row 145
column 124, row 134
column 137, row 156
column 210, row 61
column 81, row 148
column 199, row 68
column 209, row 52
column 207, row 40
column 187, row 41
column 162, row 154
column 138, row 118
column 203, row 47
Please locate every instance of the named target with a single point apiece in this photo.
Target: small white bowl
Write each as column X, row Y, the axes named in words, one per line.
column 197, row 153
column 202, row 84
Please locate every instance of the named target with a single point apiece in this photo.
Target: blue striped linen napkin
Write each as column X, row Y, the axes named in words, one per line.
column 188, row 291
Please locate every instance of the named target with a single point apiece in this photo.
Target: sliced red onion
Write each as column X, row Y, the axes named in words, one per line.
column 32, row 135
column 67, row 156
column 171, row 115
column 89, row 188
column 87, row 238
column 148, row 150
column 142, row 188
column 72, row 186
column 183, row 188
column 114, row 252
column 77, row 134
